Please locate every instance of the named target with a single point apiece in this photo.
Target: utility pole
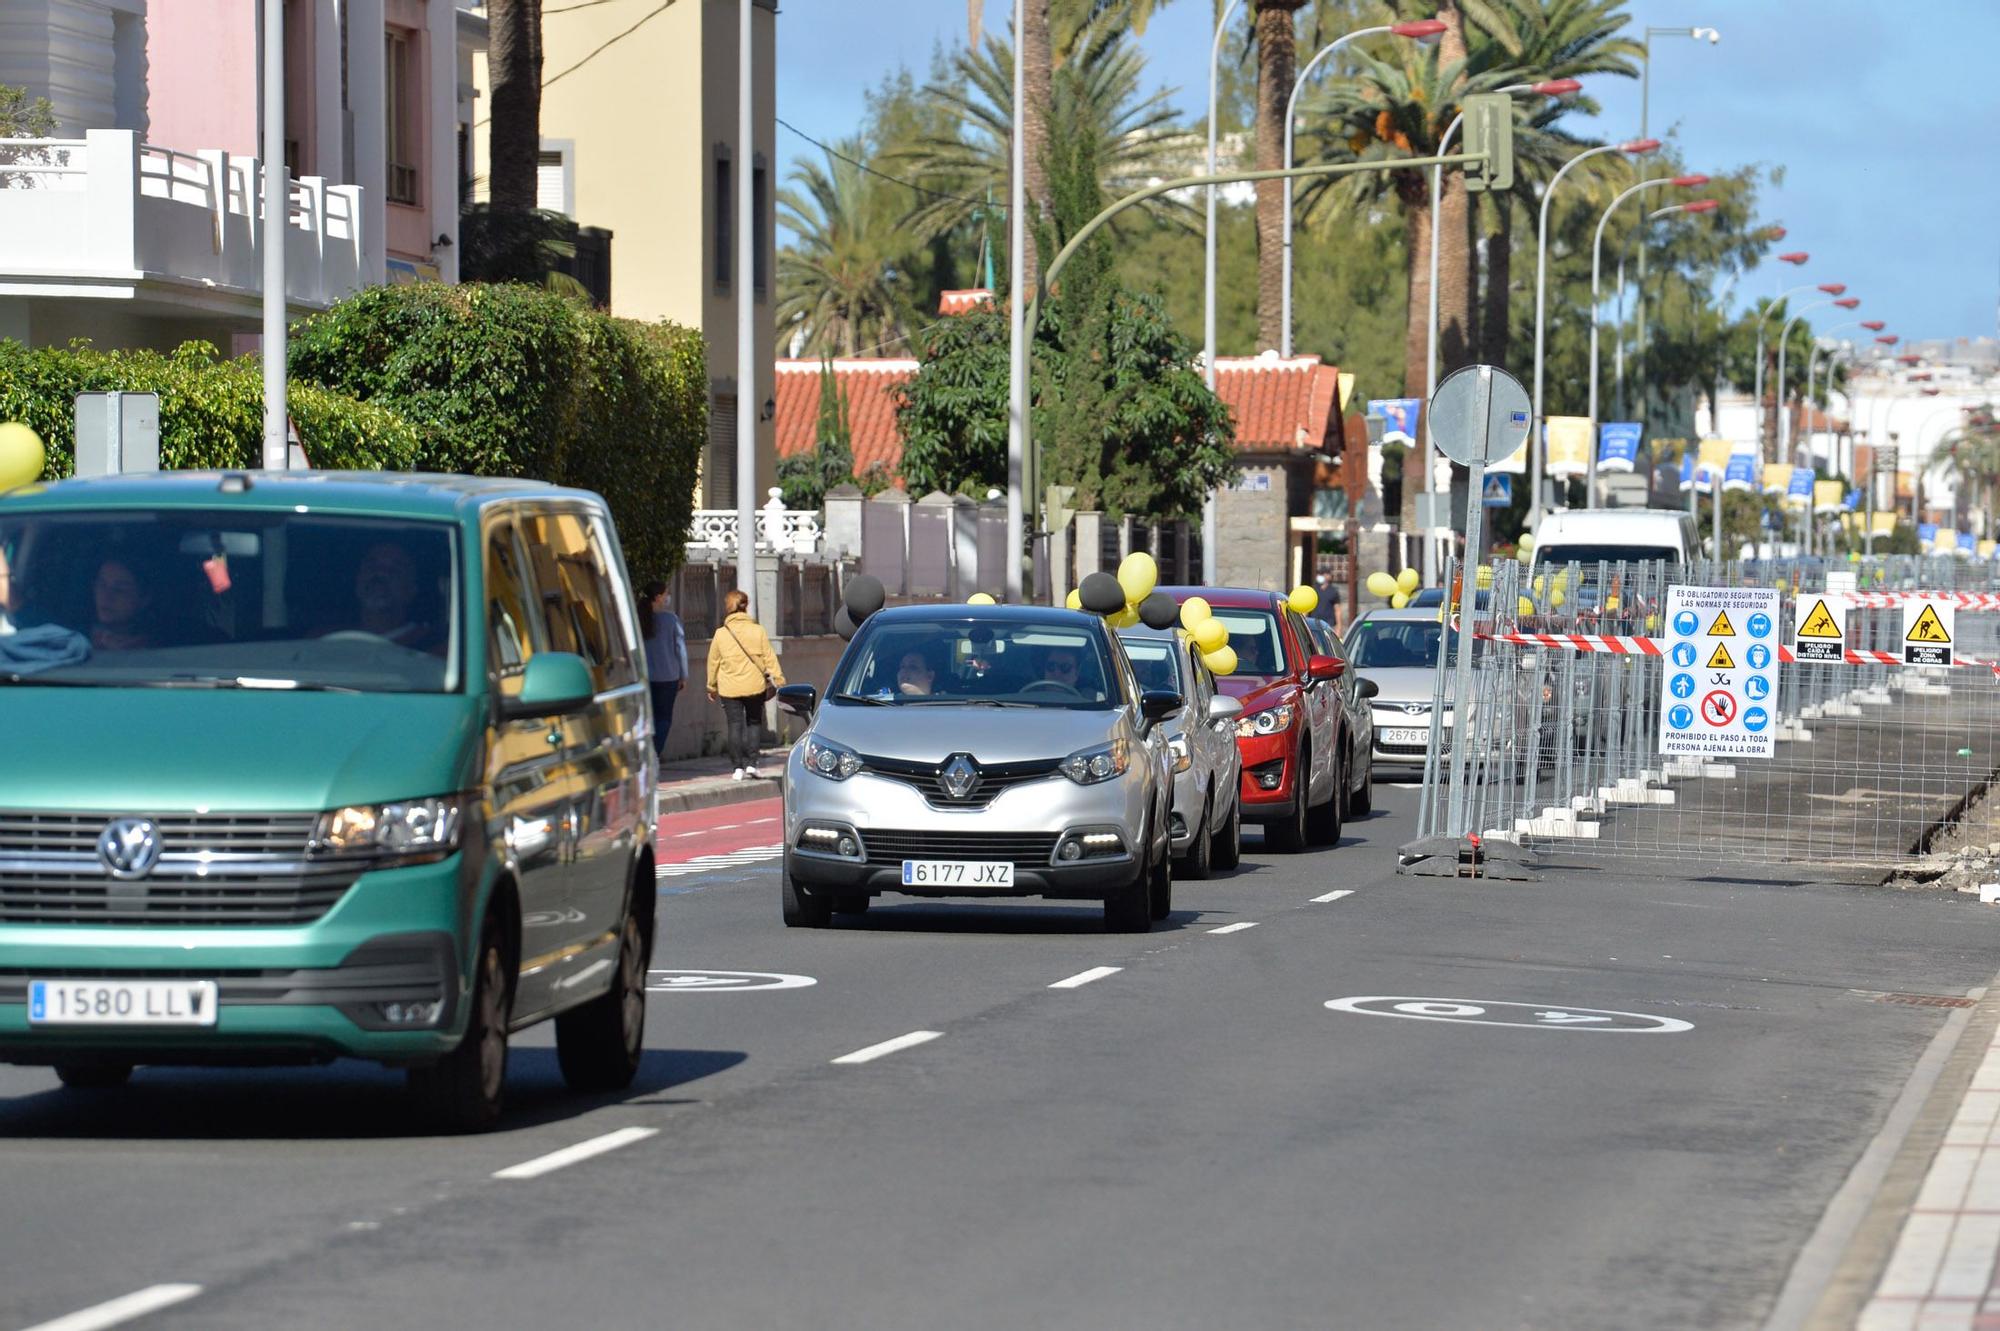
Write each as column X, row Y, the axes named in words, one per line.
column 277, row 225
column 748, row 228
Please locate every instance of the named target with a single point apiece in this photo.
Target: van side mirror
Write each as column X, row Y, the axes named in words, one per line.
column 553, row 684
column 801, row 700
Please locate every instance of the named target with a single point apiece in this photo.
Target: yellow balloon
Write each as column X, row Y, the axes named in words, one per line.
column 1382, row 585
column 1138, row 575
column 1483, row 578
column 21, row 454
column 1408, row 581
column 980, row 598
column 1556, row 599
column 1193, row 611
column 1210, row 634
column 1123, row 619
column 1399, row 601
column 1304, row 599
column 1527, row 541
column 1540, row 586
column 1525, row 608
column 1074, row 600
column 1221, row 661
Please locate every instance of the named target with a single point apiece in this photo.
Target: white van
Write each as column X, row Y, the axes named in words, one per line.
column 1614, row 535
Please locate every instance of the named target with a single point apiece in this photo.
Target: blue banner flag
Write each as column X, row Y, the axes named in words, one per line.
column 1968, row 542
column 1927, row 533
column 1618, row 445
column 1400, row 415
column 1742, row 473
column 1801, row 486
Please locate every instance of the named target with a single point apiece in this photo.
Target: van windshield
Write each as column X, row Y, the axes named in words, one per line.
column 1606, row 553
column 228, row 599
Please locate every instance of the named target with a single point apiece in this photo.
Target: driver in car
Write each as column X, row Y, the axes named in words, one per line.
column 385, row 590
column 1059, row 666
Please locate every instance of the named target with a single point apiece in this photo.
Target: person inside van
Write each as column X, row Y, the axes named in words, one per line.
column 121, row 607
column 386, row 593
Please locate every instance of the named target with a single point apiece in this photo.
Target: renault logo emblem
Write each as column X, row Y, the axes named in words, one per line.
column 129, row 847
column 960, row 776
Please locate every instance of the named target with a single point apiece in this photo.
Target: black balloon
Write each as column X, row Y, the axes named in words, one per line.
column 1101, row 594
column 843, row 624
column 1159, row 611
column 863, row 597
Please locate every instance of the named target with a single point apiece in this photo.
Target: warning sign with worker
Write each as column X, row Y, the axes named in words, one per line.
column 1821, row 635
column 1720, row 686
column 1927, row 631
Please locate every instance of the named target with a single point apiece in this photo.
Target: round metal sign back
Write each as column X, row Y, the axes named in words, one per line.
column 1480, row 414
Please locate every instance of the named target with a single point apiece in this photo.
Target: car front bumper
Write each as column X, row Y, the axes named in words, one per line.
column 1263, row 757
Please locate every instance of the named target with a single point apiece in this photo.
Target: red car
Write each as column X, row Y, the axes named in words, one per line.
column 1298, row 772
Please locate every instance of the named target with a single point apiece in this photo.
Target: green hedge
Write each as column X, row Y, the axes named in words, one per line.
column 516, row 380
column 211, row 410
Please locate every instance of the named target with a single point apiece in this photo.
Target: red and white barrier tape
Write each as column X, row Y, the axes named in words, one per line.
column 1620, row 645
column 1890, row 600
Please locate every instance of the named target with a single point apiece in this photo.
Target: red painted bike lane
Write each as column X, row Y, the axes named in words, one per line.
column 687, row 836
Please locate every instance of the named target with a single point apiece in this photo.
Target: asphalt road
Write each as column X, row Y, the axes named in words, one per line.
column 1194, row 1139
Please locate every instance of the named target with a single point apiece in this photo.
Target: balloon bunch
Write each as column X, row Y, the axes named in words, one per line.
column 1397, row 588
column 21, row 455
column 1130, row 598
column 863, row 597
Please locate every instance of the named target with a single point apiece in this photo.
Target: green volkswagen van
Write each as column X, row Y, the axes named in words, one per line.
column 300, row 766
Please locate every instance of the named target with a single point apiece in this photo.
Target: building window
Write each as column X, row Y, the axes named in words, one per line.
column 725, row 238
column 552, row 179
column 757, row 228
column 400, row 110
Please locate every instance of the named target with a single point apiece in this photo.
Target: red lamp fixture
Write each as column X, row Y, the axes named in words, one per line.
column 1775, row 232
column 1638, row 146
column 1849, row 303
column 1889, row 341
column 1909, row 358
column 1701, row 206
column 1795, row 257
column 1556, row 87
column 1873, row 325
column 1419, row 29
column 1689, row 182
column 1834, row 288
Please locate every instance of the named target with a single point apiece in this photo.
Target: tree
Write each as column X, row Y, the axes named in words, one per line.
column 844, row 285
column 514, row 65
column 804, row 478
column 1277, row 70
column 21, row 118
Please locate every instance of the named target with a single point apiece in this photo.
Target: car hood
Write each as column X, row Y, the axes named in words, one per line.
column 230, row 750
column 1258, row 691
column 930, row 734
column 1401, row 684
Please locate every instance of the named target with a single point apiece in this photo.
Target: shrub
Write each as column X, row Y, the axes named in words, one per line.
column 513, row 380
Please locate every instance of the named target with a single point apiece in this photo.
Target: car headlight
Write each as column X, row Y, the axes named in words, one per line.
column 1270, row 721
column 1091, row 766
column 835, row 762
column 1177, row 745
column 405, row 830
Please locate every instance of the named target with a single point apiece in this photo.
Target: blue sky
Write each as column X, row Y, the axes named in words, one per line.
column 1883, row 113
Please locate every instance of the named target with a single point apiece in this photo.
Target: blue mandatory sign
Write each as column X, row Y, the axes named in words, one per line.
column 1683, row 653
column 1681, row 686
column 1755, row 719
column 1686, row 624
column 1756, row 687
column 1760, row 625
column 1759, row 656
column 1680, row 716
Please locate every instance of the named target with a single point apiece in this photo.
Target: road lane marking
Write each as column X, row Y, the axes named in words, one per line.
column 1079, row 980
column 1333, row 896
column 901, row 1042
column 569, row 1155
column 1236, row 928
column 723, row 860
column 148, row 1300
column 698, row 832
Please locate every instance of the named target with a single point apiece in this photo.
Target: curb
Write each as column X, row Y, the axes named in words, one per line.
column 689, row 796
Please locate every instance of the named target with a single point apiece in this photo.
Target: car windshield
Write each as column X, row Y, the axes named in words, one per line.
column 1154, row 660
column 1555, row 556
column 976, row 661
column 1253, row 635
column 1398, row 644
column 228, row 599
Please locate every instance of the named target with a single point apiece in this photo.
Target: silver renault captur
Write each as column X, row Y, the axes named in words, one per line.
column 980, row 751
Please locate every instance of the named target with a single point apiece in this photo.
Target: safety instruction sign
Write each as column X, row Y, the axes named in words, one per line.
column 1821, row 633
column 1927, row 632
column 1719, row 691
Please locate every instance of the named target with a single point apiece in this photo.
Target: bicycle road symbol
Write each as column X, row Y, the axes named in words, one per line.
column 1680, row 717
column 722, row 982
column 1756, row 687
column 1718, row 708
column 1682, row 686
column 1760, row 627
column 1683, row 653
column 1686, row 624
column 1760, row 656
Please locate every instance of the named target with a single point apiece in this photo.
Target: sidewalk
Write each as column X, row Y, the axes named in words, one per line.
column 704, row 783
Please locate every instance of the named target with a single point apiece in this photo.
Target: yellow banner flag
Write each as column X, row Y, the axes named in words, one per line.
column 1568, row 446
column 1777, row 478
column 1885, row 524
column 1828, row 496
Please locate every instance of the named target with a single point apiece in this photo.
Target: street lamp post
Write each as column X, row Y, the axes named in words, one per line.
column 1784, row 335
column 1639, row 339
column 1645, row 118
column 1596, row 298
column 1208, row 284
column 1419, row 29
column 1018, row 504
column 1757, row 389
column 277, row 226
column 1536, row 444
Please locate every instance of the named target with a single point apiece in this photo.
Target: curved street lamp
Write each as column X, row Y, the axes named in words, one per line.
column 1618, row 326
column 1757, row 390
column 1784, row 416
column 1208, row 284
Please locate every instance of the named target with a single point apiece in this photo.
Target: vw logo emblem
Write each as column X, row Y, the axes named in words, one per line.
column 959, row 776
column 129, row 847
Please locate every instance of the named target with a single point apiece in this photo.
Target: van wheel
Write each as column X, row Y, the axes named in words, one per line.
column 1290, row 835
column 1323, row 820
column 93, row 1076
column 802, row 910
column 598, row 1045
column 462, row 1091
column 1227, row 852
column 1200, row 857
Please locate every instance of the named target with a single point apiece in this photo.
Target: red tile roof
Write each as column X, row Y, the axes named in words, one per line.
column 958, row 302
column 1280, row 404
column 871, row 407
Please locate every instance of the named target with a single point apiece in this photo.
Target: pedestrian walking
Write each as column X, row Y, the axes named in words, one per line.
column 743, row 671
column 666, row 658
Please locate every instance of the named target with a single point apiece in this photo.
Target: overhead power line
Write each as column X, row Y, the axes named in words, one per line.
column 601, row 48
column 831, row 151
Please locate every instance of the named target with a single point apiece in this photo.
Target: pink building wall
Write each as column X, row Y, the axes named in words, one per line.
column 201, row 77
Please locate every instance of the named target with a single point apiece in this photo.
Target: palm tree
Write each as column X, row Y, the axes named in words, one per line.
column 514, row 65
column 845, row 286
column 1277, row 70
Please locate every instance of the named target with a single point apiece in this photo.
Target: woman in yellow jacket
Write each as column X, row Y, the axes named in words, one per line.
column 742, row 668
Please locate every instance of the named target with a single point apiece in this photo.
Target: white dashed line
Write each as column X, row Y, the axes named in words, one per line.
column 148, row 1300
column 727, row 860
column 754, row 821
column 1079, row 980
column 1333, row 896
column 1236, row 928
column 701, row 832
column 725, row 827
column 569, row 1155
column 901, row 1042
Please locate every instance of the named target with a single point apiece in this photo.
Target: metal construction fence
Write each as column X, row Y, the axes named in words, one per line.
column 1573, row 729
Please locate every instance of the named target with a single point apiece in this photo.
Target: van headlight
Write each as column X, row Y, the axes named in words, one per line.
column 1177, row 745
column 1270, row 721
column 1090, row 766
column 835, row 762
column 408, row 830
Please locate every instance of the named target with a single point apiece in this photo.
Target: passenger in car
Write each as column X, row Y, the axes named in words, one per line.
column 122, row 607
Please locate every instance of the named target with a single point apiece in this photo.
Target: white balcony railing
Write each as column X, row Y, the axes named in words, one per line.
column 779, row 529
column 109, row 209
